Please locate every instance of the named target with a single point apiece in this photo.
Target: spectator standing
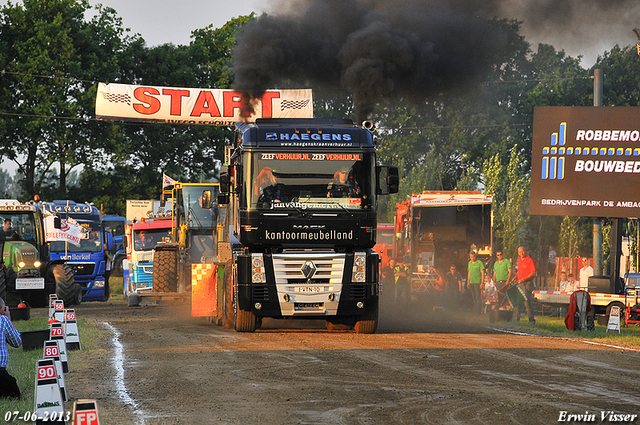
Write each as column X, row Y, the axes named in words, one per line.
column 524, row 278
column 501, row 270
column 564, row 285
column 573, row 285
column 401, row 274
column 388, row 278
column 585, row 272
column 452, row 284
column 551, row 266
column 475, row 278
column 8, row 335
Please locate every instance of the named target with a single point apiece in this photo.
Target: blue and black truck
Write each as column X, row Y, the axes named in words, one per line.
column 88, row 259
column 302, row 197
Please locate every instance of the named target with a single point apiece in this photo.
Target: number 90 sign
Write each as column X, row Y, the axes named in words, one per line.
column 46, row 372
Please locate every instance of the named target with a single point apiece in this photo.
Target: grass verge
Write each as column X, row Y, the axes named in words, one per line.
column 629, row 337
column 22, row 364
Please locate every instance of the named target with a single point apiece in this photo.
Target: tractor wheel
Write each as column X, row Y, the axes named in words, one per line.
column 65, row 283
column 368, row 322
column 165, row 272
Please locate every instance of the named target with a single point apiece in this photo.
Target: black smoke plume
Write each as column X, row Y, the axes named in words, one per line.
column 373, row 48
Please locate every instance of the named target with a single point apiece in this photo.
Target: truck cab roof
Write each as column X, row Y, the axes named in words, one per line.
column 304, row 133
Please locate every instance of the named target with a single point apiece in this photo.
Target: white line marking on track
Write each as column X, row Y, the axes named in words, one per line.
column 619, row 347
column 118, row 365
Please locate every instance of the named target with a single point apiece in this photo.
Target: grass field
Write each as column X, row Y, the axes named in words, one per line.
column 22, row 364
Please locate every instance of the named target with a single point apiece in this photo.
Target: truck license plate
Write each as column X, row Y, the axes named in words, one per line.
column 308, row 306
column 30, row 283
column 309, row 289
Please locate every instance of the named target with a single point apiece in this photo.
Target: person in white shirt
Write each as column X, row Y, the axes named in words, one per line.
column 585, row 272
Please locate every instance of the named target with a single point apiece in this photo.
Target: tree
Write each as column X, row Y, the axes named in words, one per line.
column 509, row 186
column 51, row 56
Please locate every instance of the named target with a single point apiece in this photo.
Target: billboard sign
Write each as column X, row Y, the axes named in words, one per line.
column 218, row 107
column 586, row 161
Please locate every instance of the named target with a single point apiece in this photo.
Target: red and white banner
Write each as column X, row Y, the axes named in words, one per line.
column 196, row 106
column 68, row 232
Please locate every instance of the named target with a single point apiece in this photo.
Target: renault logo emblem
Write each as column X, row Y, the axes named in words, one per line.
column 308, row 269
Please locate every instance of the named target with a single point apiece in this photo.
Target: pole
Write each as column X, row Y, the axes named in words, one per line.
column 597, row 222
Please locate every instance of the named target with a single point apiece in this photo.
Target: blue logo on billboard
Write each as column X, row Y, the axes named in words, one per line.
column 590, row 159
column 272, row 136
column 553, row 156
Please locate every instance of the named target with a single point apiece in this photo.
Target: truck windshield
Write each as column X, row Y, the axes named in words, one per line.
column 147, row 239
column 197, row 216
column 92, row 243
column 310, row 180
column 17, row 226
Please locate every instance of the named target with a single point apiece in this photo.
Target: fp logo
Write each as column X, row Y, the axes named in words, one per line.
column 553, row 155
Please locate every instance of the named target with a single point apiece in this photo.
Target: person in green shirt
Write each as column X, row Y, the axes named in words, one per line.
column 501, row 270
column 475, row 278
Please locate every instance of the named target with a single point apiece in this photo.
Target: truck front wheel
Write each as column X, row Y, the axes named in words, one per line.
column 244, row 321
column 65, row 283
column 165, row 273
column 368, row 322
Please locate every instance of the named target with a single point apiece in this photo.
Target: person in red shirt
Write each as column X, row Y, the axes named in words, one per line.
column 524, row 278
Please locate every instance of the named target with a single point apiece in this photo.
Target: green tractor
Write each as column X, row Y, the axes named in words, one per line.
column 26, row 271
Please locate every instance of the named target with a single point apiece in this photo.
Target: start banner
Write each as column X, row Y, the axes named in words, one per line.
column 216, row 107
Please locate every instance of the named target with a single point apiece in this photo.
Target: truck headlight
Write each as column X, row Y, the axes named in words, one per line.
column 37, row 264
column 21, row 264
column 258, row 274
column 359, row 272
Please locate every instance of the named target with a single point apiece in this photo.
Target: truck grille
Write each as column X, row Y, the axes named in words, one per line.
column 357, row 292
column 288, row 267
column 83, row 269
column 260, row 293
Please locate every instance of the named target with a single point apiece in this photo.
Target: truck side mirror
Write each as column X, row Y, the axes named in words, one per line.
column 388, row 180
column 57, row 223
column 224, row 182
column 222, row 199
column 206, row 199
column 393, row 180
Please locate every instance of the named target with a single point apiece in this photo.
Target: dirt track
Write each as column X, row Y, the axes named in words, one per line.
column 416, row 369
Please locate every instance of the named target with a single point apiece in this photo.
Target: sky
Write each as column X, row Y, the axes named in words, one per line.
column 171, row 21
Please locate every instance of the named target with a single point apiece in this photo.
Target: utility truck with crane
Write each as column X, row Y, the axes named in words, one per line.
column 302, row 199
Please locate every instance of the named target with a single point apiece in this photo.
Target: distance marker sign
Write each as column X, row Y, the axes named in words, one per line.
column 586, row 161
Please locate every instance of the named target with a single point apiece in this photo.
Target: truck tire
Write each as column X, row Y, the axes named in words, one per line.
column 227, row 316
column 368, row 322
column 244, row 321
column 65, row 283
column 116, row 269
column 77, row 294
column 165, row 272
